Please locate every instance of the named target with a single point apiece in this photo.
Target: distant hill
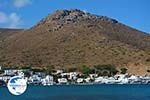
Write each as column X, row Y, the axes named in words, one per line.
column 5, row 32
column 73, row 38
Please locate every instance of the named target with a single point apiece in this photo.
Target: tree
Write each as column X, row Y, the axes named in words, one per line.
column 72, row 69
column 37, row 70
column 26, row 67
column 1, row 71
column 49, row 69
column 27, row 74
column 123, row 70
column 106, row 70
column 84, row 69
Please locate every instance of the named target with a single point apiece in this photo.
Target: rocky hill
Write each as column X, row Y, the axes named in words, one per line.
column 73, row 38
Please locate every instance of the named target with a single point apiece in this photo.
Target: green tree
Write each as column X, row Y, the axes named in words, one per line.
column 106, row 70
column 37, row 69
column 1, row 71
column 49, row 69
column 72, row 69
column 86, row 70
column 123, row 70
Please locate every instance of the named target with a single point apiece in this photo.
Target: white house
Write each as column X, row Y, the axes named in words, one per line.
column 99, row 79
column 5, row 78
column 57, row 72
column 87, row 80
column 71, row 75
column 48, row 80
column 80, row 80
column 122, row 78
column 110, row 80
column 62, row 80
column 12, row 71
column 0, row 67
column 134, row 79
column 93, row 76
column 34, row 79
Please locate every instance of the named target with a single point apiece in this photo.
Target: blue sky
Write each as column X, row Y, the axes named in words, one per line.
column 26, row 13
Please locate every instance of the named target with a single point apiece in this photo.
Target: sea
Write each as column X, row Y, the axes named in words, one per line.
column 81, row 92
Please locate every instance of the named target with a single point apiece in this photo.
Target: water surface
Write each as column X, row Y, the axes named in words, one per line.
column 81, row 92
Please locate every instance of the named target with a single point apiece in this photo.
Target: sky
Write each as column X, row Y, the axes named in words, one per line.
column 26, row 13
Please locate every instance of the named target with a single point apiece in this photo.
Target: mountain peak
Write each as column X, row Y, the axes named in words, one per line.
column 73, row 16
column 65, row 11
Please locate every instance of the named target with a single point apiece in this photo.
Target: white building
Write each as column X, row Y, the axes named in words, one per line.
column 99, row 79
column 35, row 79
column 48, row 80
column 12, row 71
column 0, row 67
column 134, row 79
column 5, row 78
column 58, row 72
column 62, row 81
column 110, row 80
column 80, row 80
column 93, row 76
column 87, row 80
column 73, row 75
column 70, row 75
column 122, row 78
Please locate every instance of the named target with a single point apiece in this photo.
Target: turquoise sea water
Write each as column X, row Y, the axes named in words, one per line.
column 81, row 92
